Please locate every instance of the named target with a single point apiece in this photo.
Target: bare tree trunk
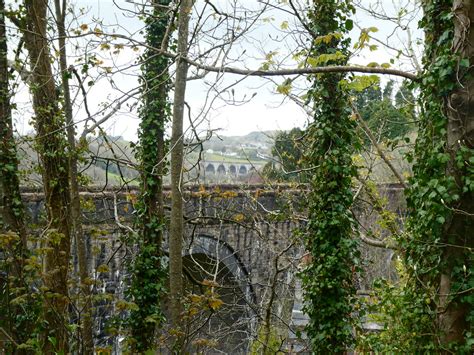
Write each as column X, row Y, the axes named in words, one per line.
column 459, row 233
column 176, row 222
column 52, row 148
column 76, row 216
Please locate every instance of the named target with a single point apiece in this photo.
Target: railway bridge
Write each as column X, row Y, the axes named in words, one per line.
column 240, row 238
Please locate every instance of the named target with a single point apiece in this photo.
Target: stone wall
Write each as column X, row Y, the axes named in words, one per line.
column 246, row 232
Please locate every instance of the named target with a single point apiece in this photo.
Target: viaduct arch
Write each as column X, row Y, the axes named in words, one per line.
column 211, row 260
column 230, row 168
column 224, row 256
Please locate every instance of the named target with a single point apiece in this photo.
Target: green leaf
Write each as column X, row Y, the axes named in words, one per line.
column 349, row 24
column 284, row 88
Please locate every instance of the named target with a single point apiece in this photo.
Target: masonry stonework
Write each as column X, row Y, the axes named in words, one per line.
column 241, row 235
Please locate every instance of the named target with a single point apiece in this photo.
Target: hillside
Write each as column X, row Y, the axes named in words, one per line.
column 112, row 161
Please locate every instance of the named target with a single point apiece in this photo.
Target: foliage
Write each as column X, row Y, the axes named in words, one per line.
column 404, row 313
column 21, row 306
column 52, row 148
column 387, row 119
column 148, row 268
column 272, row 346
column 411, row 310
column 433, row 190
column 288, row 155
column 328, row 280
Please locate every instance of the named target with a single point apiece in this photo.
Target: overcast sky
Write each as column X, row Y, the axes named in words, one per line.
column 265, row 111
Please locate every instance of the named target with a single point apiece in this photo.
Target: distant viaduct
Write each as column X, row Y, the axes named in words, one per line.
column 230, row 168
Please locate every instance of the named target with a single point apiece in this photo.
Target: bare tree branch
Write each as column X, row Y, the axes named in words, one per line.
column 373, row 140
column 375, row 242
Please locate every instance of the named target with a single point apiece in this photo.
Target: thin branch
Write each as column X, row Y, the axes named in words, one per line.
column 117, row 218
column 375, row 242
column 374, row 142
column 302, row 21
column 300, row 71
column 260, row 72
column 23, row 72
column 9, row 337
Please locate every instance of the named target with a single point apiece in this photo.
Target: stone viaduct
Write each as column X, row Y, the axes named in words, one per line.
column 231, row 168
column 241, row 238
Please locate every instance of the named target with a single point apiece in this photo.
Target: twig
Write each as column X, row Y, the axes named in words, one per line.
column 372, row 139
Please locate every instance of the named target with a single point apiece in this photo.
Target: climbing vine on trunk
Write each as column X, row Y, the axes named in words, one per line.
column 439, row 241
column 329, row 291
column 148, row 269
column 17, row 319
column 52, row 148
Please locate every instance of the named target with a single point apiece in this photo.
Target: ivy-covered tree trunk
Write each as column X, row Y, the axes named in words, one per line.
column 176, row 146
column 456, row 307
column 11, row 207
column 441, row 228
column 85, row 304
column 148, row 270
column 328, row 285
column 13, row 240
column 52, row 148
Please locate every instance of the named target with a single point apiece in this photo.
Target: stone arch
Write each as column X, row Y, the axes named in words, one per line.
column 221, row 169
column 225, row 254
column 243, row 170
column 208, row 258
column 210, row 169
column 232, row 170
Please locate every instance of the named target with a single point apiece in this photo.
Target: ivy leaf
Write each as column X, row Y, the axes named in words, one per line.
column 349, row 24
column 464, row 63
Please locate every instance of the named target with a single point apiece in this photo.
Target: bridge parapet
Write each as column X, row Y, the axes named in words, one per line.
column 205, row 202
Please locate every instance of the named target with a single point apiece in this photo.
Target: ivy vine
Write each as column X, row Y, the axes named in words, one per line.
column 149, row 271
column 328, row 283
column 441, row 178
